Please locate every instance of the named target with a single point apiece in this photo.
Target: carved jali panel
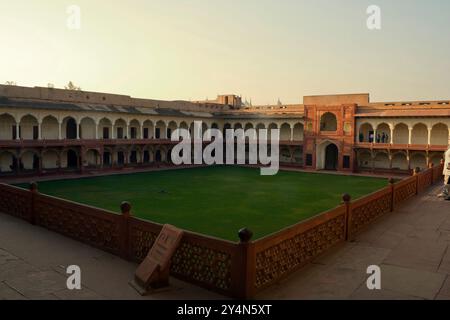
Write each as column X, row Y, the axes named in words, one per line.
column 364, row 214
column 405, row 192
column 203, row 264
column 99, row 232
column 290, row 254
column 15, row 202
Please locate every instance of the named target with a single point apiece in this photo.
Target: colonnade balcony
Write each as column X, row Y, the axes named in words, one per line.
column 399, row 146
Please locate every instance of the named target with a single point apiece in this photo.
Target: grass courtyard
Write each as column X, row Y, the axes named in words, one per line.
column 217, row 201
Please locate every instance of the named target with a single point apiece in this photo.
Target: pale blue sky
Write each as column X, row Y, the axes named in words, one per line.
column 263, row 49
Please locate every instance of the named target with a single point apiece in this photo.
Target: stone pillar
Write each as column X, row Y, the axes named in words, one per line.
column 96, row 130
column 78, row 131
column 410, row 135
column 40, row 130
column 154, row 132
column 141, row 136
column 429, row 135
column 375, row 136
column 392, row 135
column 292, row 133
column 17, row 131
column 59, row 130
column 127, row 134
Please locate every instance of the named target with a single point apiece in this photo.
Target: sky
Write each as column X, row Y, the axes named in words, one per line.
column 261, row 49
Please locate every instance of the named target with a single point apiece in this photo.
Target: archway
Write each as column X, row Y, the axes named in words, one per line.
column 419, row 134
column 440, row 135
column 87, row 128
column 50, row 128
column 107, row 159
column 105, row 128
column 419, row 160
column 285, row 132
column 29, row 128
column 8, row 162
column 331, row 157
column 399, row 161
column 384, row 131
column 298, row 132
column 326, row 156
column 71, row 128
column 158, row 156
column 365, row 159
column 381, row 161
column 120, row 158
column 401, row 134
column 146, row 156
column 8, row 129
column 30, row 160
column 135, row 129
column 92, row 158
column 366, row 133
column 170, row 129
column 328, row 122
column 50, row 159
column 133, row 156
column 285, row 155
column 147, row 129
column 72, row 159
column 160, row 131
column 120, row 127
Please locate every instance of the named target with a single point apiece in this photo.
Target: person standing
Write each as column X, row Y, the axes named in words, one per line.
column 446, row 190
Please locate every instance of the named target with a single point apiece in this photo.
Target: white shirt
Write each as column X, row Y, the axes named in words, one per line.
column 447, row 163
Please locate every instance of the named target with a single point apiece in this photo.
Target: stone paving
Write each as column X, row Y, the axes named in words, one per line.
column 33, row 264
column 410, row 245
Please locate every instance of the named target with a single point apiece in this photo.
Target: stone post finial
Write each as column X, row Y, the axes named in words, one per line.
column 346, row 198
column 33, row 187
column 245, row 235
column 125, row 208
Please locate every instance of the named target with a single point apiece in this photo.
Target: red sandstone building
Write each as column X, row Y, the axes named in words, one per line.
column 47, row 130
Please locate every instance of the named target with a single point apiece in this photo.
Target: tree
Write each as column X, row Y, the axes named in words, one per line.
column 11, row 83
column 72, row 86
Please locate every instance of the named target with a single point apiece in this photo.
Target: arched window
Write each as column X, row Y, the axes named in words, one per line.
column 328, row 122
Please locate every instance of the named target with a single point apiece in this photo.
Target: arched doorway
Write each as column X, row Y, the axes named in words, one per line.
column 331, row 157
column 120, row 158
column 106, row 158
column 72, row 159
column 71, row 129
column 328, row 122
column 158, row 157
column 35, row 162
column 146, row 158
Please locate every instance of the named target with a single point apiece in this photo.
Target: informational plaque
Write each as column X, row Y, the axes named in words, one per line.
column 154, row 270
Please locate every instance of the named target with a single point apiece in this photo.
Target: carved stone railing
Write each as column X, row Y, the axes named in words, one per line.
column 237, row 269
column 286, row 251
column 368, row 209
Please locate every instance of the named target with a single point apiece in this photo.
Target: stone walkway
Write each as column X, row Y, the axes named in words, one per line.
column 411, row 246
column 33, row 264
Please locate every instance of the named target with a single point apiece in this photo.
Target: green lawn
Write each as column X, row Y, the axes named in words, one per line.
column 217, row 201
